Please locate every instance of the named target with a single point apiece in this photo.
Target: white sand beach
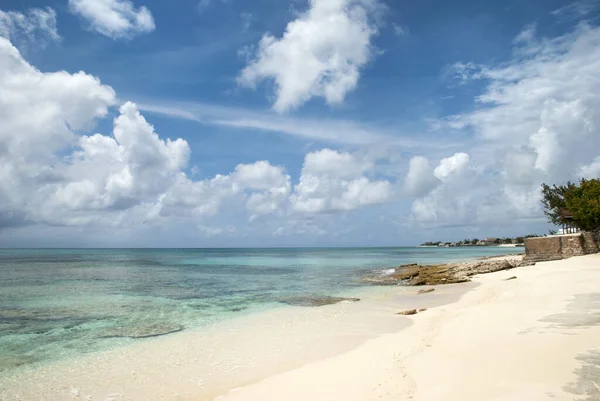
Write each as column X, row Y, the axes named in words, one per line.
column 536, row 337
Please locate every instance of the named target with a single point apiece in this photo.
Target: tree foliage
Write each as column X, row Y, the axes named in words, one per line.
column 553, row 199
column 583, row 201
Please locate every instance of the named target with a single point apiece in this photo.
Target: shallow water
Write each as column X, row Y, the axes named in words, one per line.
column 56, row 304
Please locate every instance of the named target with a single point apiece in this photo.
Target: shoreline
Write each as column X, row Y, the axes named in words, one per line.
column 234, row 360
column 205, row 363
column 530, row 338
column 135, row 329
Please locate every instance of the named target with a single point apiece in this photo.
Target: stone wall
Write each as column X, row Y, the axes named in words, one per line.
column 560, row 246
column 591, row 242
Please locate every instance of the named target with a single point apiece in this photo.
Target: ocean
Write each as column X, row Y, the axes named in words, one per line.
column 63, row 303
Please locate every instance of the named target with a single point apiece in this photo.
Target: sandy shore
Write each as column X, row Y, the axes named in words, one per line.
column 205, row 363
column 529, row 338
column 536, row 337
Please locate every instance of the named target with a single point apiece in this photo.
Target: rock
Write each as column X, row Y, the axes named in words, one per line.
column 510, row 278
column 316, row 300
column 407, row 312
column 425, row 291
column 416, row 275
column 422, row 310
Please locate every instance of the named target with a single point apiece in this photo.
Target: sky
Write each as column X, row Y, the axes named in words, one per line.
column 265, row 123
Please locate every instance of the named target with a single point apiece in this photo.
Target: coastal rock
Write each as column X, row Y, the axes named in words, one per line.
column 316, row 300
column 144, row 331
column 407, row 312
column 422, row 310
column 425, row 291
column 451, row 273
column 510, row 278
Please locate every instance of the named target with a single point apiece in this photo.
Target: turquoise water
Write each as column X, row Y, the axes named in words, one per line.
column 62, row 303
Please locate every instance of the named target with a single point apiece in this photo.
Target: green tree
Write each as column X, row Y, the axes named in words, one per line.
column 583, row 201
column 474, row 241
column 553, row 199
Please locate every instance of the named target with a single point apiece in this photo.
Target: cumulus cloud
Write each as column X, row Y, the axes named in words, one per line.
column 537, row 120
column 270, row 184
column 35, row 27
column 123, row 170
column 115, row 19
column 39, row 114
column 335, row 181
column 450, row 199
column 52, row 175
column 320, row 53
column 419, row 179
column 451, row 166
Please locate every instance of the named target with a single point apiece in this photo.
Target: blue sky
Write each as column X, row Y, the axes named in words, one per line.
column 379, row 122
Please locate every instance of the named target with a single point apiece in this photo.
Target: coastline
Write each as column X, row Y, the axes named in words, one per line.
column 357, row 350
column 530, row 338
column 205, row 363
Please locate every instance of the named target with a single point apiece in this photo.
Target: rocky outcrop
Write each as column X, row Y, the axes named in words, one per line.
column 407, row 312
column 450, row 273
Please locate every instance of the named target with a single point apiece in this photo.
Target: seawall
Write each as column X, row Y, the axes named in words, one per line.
column 556, row 247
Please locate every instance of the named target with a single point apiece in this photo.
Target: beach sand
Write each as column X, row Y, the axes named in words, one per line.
column 205, row 363
column 536, row 337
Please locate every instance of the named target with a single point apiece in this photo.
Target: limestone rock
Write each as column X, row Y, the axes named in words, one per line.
column 425, row 291
column 416, row 275
column 407, row 312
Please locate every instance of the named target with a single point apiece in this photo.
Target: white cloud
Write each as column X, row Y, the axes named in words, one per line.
column 270, row 184
column 53, row 176
column 334, row 181
column 36, row 27
column 400, row 30
column 591, row 170
column 320, row 53
column 115, row 19
column 121, row 171
column 450, row 199
column 327, row 162
column 39, row 112
column 537, row 120
column 575, row 10
column 450, row 166
column 419, row 180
